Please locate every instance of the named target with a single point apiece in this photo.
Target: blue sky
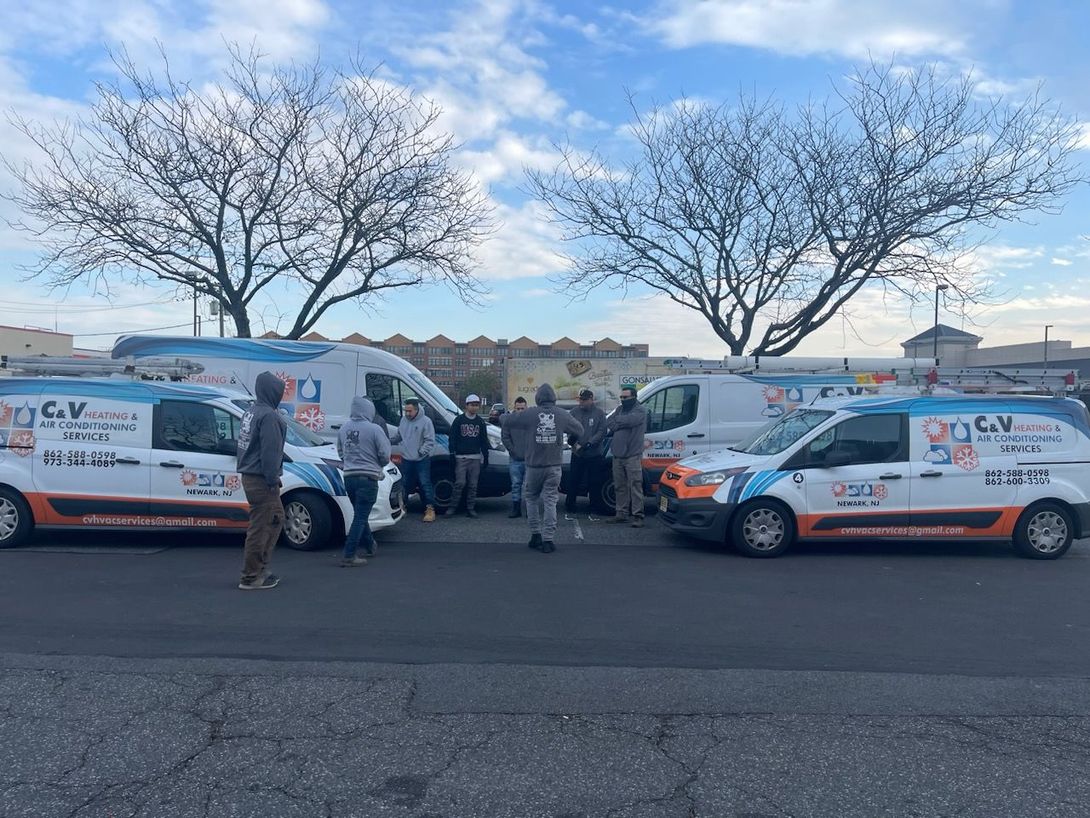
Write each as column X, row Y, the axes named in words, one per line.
column 514, row 78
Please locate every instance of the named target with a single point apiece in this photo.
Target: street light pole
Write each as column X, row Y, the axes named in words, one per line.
column 1047, row 328
column 935, row 330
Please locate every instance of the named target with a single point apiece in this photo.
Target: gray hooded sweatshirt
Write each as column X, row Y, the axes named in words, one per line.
column 416, row 436
column 361, row 443
column 261, row 434
column 547, row 424
column 628, row 427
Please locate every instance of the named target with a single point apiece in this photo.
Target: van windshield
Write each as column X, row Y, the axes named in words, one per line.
column 297, row 435
column 432, row 391
column 784, row 433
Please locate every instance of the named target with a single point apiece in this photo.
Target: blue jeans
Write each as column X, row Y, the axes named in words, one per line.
column 517, row 470
column 363, row 492
column 417, row 473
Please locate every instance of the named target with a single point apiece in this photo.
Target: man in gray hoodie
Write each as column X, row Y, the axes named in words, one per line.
column 539, row 433
column 364, row 450
column 260, row 461
column 416, row 435
column 628, row 423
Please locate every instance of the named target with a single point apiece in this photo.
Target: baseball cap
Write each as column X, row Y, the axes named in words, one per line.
column 473, row 398
column 584, row 394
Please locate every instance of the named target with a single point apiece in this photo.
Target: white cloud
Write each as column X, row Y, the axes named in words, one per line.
column 1062, row 262
column 525, row 246
column 508, row 156
column 855, row 28
column 581, row 120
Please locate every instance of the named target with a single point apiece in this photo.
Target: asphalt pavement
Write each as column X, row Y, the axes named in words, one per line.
column 631, row 673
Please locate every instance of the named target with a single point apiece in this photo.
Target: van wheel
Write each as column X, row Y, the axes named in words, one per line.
column 442, row 482
column 1044, row 532
column 307, row 522
column 609, row 495
column 762, row 528
column 16, row 521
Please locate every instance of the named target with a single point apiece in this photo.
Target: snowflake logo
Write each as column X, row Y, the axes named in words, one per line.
column 881, row 492
column 233, row 482
column 313, row 418
column 773, row 394
column 936, row 431
column 965, row 457
column 839, row 489
column 188, row 477
column 22, row 443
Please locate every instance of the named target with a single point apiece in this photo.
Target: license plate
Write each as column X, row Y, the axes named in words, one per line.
column 663, row 503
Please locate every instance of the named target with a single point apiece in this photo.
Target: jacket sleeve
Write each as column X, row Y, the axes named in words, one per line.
column 599, row 434
column 272, row 448
column 484, row 437
column 505, row 434
column 382, row 447
column 427, row 442
column 340, row 443
column 627, row 420
column 574, row 426
column 455, row 436
column 395, row 438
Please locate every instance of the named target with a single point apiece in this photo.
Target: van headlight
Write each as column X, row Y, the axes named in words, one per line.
column 713, row 478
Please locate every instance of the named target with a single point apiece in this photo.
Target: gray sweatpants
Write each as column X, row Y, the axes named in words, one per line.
column 628, row 483
column 467, row 471
column 542, row 492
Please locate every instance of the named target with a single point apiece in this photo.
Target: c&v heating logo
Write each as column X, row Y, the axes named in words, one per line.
column 950, row 443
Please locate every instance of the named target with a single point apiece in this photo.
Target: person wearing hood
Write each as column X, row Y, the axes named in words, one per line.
column 543, row 429
column 364, row 450
column 416, row 434
column 628, row 424
column 260, row 462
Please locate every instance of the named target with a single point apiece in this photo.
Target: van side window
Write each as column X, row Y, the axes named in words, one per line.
column 193, row 427
column 867, row 439
column 673, row 407
column 389, row 395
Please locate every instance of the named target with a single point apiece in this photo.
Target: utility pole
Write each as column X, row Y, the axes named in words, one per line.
column 935, row 348
column 195, row 317
column 1047, row 328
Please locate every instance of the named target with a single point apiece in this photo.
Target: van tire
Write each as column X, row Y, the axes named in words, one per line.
column 762, row 528
column 16, row 519
column 442, row 483
column 608, row 497
column 307, row 522
column 1044, row 532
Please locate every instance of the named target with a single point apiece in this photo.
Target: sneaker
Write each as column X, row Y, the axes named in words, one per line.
column 637, row 522
column 617, row 520
column 548, row 547
column 535, row 541
column 261, row 583
column 471, row 513
column 353, row 562
column 429, row 515
column 515, row 511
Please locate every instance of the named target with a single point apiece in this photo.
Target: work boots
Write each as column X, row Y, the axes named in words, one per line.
column 516, row 510
column 429, row 515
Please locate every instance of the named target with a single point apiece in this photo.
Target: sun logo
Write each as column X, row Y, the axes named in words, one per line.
column 936, row 431
column 188, row 478
column 839, row 489
column 772, row 394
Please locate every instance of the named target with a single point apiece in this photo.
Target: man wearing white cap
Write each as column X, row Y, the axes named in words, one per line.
column 469, row 451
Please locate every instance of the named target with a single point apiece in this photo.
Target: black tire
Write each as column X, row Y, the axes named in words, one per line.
column 1044, row 532
column 442, row 481
column 16, row 519
column 307, row 522
column 762, row 528
column 608, row 497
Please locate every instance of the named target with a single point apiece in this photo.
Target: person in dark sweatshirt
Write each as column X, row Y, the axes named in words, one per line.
column 547, row 425
column 588, row 457
column 628, row 423
column 469, row 453
column 260, row 461
column 364, row 450
column 516, row 464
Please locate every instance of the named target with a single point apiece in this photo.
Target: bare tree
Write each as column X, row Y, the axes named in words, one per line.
column 332, row 186
column 767, row 221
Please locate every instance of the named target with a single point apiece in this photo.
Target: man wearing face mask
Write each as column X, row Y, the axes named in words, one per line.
column 628, row 424
column 516, row 451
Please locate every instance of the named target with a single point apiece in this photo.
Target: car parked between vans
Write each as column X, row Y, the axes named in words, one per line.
column 98, row 454
column 988, row 467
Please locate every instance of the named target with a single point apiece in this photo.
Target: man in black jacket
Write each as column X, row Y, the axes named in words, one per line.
column 469, row 451
column 588, row 459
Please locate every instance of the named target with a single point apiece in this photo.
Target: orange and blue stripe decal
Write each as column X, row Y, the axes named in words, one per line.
column 760, row 483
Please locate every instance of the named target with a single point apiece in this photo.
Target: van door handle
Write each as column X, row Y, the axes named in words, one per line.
column 335, row 426
column 172, row 464
column 931, row 474
column 889, row 477
column 128, row 461
column 696, row 434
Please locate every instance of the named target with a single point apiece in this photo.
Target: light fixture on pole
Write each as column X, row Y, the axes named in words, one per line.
column 935, row 330
column 1047, row 328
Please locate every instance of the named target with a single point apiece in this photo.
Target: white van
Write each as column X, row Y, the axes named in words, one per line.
column 987, row 467
column 100, row 453
column 322, row 378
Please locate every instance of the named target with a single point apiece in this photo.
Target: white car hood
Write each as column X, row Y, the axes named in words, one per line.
column 724, row 459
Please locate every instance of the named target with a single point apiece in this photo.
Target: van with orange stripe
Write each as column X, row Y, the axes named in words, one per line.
column 101, row 454
column 988, row 467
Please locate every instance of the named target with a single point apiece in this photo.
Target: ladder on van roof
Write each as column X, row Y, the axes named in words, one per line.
column 919, row 372
column 159, row 369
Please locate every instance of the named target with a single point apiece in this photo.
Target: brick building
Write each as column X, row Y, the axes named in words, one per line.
column 448, row 363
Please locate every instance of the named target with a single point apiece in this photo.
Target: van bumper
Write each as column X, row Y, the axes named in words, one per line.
column 701, row 517
column 1082, row 512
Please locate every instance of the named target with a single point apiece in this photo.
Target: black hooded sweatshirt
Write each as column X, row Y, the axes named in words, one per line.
column 261, row 438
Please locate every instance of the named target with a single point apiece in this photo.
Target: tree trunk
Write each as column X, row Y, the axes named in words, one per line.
column 242, row 320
